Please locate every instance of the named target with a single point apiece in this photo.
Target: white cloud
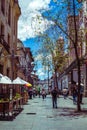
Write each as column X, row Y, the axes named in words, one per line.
column 40, row 72
column 31, row 22
column 38, row 57
column 39, row 4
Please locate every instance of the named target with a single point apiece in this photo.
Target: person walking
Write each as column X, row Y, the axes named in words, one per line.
column 30, row 93
column 65, row 92
column 39, row 92
column 43, row 93
column 74, row 93
column 54, row 94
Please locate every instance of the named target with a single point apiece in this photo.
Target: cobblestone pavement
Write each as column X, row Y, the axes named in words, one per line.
column 38, row 114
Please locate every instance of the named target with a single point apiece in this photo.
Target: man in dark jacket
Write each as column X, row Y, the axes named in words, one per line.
column 54, row 94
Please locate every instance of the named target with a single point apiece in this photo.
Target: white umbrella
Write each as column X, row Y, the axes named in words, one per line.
column 18, row 80
column 25, row 82
column 80, row 84
column 5, row 80
column 1, row 75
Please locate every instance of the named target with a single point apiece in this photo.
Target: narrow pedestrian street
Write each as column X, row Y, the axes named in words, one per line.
column 38, row 114
column 43, row 50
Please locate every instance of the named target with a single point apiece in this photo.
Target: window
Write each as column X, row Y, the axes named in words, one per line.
column 1, row 69
column 3, row 6
column 86, row 43
column 9, row 15
column 9, row 39
column 2, row 29
column 85, row 19
column 15, row 26
column 86, row 5
column 8, row 72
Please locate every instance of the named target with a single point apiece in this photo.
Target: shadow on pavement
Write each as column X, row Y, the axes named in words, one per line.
column 12, row 117
column 71, row 112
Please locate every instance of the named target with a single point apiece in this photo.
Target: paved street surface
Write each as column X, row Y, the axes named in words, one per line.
column 38, row 114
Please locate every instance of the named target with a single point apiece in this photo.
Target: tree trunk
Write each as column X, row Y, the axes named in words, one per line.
column 77, row 57
column 56, row 82
column 79, row 81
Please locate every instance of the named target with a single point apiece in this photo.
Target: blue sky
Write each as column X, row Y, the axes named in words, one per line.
column 29, row 26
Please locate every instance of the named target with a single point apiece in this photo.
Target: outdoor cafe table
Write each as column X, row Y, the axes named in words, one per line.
column 7, row 107
column 18, row 104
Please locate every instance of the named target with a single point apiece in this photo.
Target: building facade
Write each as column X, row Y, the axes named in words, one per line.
column 71, row 69
column 9, row 14
column 83, row 35
column 25, row 62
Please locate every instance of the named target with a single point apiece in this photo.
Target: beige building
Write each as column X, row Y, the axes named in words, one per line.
column 21, row 61
column 71, row 32
column 83, row 35
column 9, row 14
column 29, row 65
column 25, row 62
column 71, row 70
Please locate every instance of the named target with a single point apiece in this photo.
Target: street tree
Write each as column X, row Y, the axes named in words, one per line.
column 72, row 9
column 53, row 57
column 65, row 9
